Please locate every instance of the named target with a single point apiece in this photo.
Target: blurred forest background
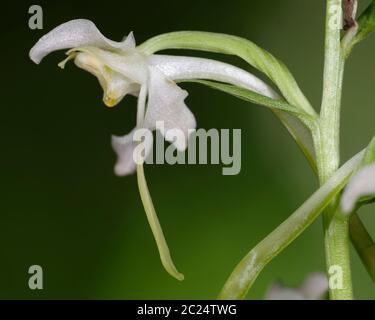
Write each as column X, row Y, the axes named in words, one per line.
column 62, row 207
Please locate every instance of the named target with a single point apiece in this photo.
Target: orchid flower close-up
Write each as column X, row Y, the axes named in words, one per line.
column 71, row 170
column 122, row 69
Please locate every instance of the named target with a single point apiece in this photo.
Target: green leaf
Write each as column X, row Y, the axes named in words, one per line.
column 252, row 264
column 253, row 97
column 366, row 24
column 369, row 156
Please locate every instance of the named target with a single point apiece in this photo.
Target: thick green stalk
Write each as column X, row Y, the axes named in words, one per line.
column 327, row 141
column 329, row 134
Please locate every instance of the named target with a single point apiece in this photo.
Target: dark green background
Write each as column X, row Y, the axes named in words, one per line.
column 62, row 207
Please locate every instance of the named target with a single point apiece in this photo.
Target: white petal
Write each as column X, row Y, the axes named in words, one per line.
column 124, row 147
column 130, row 64
column 129, row 41
column 314, row 286
column 362, row 184
column 117, row 88
column 75, row 33
column 185, row 68
column 114, row 84
column 166, row 104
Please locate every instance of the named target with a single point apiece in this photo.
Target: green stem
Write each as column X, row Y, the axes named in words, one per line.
column 336, row 228
column 327, row 142
column 329, row 136
column 364, row 244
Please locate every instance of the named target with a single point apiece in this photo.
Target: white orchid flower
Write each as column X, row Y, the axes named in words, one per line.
column 123, row 69
column 361, row 185
column 313, row 288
